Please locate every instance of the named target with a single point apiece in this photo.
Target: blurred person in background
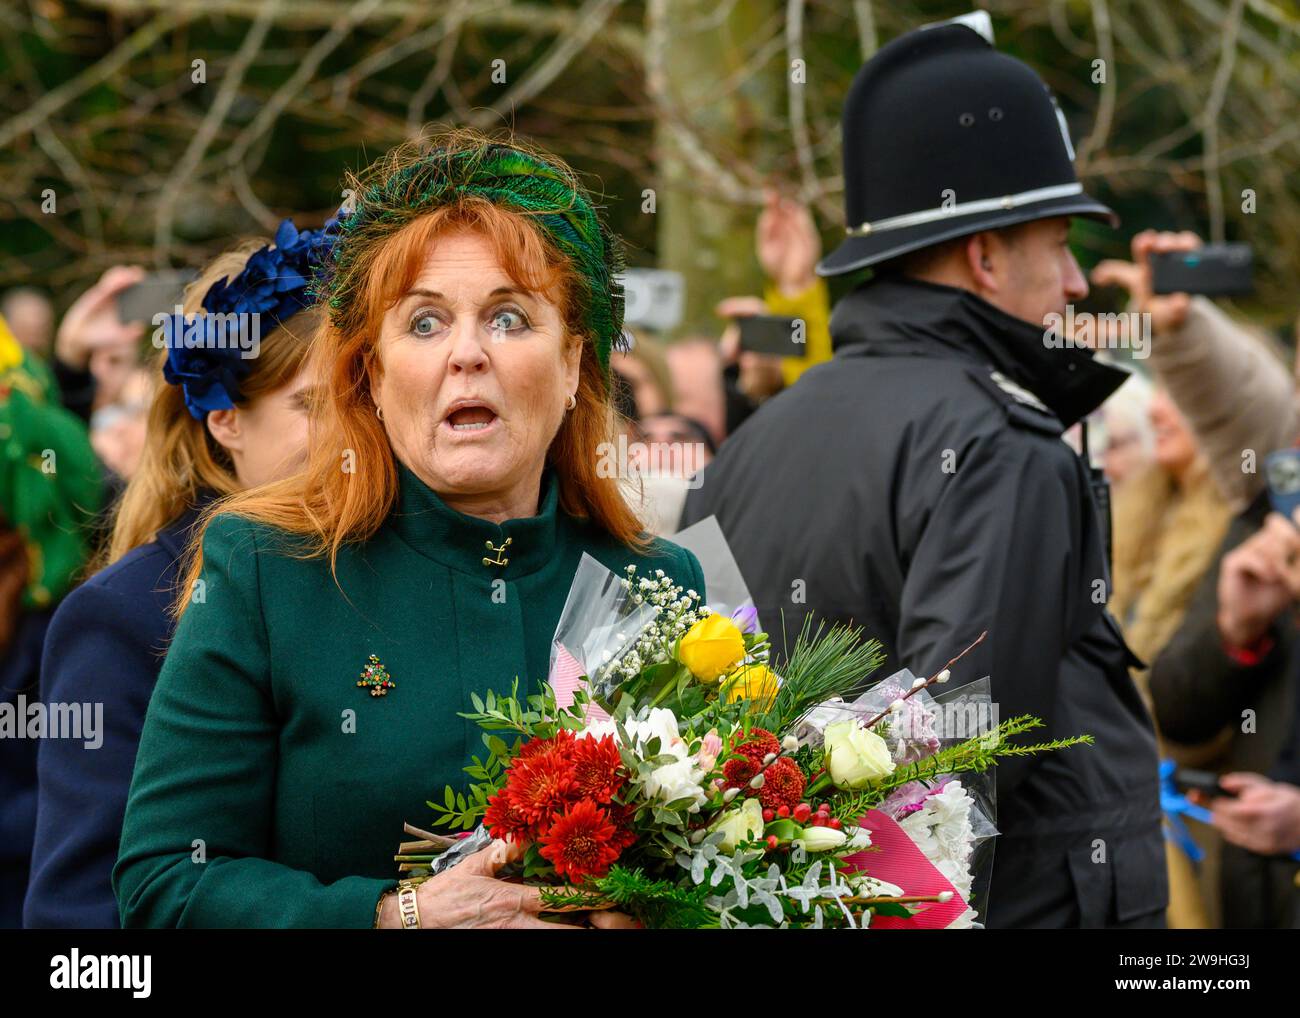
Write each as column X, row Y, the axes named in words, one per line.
column 1227, row 378
column 218, row 423
column 699, row 392
column 94, row 351
column 671, row 448
column 49, row 493
column 787, row 246
column 31, row 319
column 1167, row 522
column 1220, row 687
column 1259, row 817
column 1120, row 434
column 643, row 368
column 118, row 429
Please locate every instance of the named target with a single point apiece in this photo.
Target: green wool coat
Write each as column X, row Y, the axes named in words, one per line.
column 269, row 789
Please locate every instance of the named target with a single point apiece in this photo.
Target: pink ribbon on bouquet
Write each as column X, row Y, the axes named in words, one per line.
column 566, row 679
column 900, row 862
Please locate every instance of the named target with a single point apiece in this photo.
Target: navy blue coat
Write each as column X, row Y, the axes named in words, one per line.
column 20, row 666
column 105, row 644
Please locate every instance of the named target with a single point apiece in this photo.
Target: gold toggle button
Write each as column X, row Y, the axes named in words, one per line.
column 500, row 560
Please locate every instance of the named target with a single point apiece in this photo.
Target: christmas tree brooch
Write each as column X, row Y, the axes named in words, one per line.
column 375, row 675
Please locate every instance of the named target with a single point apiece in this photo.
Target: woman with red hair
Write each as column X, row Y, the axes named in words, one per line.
column 334, row 624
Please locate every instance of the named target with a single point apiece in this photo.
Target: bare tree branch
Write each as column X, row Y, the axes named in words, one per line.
column 183, row 174
column 59, row 96
column 1210, row 120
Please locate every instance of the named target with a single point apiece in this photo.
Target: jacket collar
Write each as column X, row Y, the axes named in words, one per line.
column 893, row 315
column 175, row 537
column 462, row 542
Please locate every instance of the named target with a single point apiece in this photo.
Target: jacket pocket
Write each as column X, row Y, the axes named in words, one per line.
column 1094, row 886
column 1133, row 880
column 1141, row 876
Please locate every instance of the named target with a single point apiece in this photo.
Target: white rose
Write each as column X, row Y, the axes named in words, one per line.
column 677, row 780
column 660, row 724
column 856, row 756
column 744, row 823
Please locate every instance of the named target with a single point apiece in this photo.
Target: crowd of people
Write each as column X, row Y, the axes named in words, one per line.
column 441, row 372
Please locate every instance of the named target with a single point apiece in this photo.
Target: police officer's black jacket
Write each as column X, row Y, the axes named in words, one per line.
column 917, row 485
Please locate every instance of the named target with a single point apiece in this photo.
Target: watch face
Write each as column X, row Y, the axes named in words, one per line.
column 1283, row 472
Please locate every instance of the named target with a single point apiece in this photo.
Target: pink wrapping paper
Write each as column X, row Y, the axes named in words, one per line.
column 566, row 678
column 900, row 862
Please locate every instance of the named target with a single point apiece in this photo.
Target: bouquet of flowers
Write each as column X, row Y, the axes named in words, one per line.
column 680, row 779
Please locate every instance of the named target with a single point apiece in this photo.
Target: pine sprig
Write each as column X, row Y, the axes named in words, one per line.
column 661, row 904
column 972, row 755
column 824, row 663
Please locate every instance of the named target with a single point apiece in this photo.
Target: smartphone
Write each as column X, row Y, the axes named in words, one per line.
column 1282, row 472
column 1207, row 782
column 772, row 334
column 1215, row 270
column 157, row 292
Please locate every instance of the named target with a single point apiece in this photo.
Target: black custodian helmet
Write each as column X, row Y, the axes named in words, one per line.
column 944, row 137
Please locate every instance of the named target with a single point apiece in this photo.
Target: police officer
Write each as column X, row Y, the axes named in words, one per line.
column 918, row 486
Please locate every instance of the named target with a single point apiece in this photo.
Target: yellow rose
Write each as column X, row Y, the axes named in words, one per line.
column 756, row 683
column 711, row 647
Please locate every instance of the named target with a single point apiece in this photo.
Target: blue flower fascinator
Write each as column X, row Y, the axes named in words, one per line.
column 208, row 354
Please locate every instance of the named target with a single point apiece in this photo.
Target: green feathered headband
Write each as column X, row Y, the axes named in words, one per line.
column 509, row 177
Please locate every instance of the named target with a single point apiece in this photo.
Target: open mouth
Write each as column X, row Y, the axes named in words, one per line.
column 470, row 419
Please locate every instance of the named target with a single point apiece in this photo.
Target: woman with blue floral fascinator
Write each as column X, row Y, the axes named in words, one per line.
column 229, row 412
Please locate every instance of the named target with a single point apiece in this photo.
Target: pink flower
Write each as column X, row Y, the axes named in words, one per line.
column 710, row 747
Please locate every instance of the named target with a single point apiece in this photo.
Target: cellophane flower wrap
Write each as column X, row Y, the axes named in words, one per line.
column 672, row 770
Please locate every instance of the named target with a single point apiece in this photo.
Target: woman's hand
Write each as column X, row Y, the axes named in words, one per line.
column 1168, row 311
column 787, row 243
column 1264, row 818
column 1258, row 580
column 91, row 323
column 469, row 896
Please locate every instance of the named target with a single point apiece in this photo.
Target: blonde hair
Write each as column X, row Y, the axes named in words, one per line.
column 329, row 507
column 181, row 459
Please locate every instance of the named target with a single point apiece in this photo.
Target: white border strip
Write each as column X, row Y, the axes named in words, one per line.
column 1009, row 201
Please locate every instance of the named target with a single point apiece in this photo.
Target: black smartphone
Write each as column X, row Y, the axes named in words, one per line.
column 1215, row 270
column 1282, row 472
column 774, row 335
column 1187, row 779
column 158, row 292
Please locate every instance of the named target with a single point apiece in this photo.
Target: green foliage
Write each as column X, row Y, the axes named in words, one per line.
column 977, row 754
column 824, row 663
column 659, row 904
column 537, row 716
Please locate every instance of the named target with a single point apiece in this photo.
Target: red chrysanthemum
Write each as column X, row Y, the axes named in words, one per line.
column 504, row 822
column 783, row 784
column 760, row 743
column 621, row 816
column 560, row 741
column 597, row 768
column 581, row 842
column 739, row 771
column 541, row 785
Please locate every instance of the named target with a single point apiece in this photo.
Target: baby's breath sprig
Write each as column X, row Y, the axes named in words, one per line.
column 676, row 610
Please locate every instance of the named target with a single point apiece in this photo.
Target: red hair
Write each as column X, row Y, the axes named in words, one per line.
column 330, row 506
